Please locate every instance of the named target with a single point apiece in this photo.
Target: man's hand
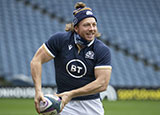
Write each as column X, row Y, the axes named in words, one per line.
column 38, row 97
column 66, row 97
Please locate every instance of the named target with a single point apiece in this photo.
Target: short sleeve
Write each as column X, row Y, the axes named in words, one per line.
column 52, row 46
column 103, row 58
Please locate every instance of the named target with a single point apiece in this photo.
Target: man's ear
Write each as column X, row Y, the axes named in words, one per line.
column 76, row 29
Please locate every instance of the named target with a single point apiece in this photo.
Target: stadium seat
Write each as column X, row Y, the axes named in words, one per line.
column 132, row 25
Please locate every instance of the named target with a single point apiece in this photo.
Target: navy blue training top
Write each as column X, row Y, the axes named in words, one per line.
column 76, row 69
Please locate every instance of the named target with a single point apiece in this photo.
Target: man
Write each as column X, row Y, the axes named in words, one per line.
column 82, row 64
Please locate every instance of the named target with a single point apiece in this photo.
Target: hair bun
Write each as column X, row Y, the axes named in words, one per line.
column 80, row 5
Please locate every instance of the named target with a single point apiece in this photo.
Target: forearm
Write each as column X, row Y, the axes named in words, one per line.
column 36, row 70
column 99, row 85
column 89, row 89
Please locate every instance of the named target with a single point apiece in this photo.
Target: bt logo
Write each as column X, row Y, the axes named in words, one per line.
column 76, row 68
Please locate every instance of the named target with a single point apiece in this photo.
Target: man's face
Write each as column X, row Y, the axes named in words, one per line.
column 87, row 28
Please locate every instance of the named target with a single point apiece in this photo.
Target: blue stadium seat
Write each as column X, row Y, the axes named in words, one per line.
column 132, row 24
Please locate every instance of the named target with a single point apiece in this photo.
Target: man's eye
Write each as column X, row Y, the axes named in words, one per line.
column 86, row 24
column 94, row 25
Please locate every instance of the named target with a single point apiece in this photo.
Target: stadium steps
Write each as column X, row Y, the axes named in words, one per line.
column 30, row 24
column 126, row 26
column 22, row 31
column 118, row 46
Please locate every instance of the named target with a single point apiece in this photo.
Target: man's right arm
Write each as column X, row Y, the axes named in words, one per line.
column 40, row 57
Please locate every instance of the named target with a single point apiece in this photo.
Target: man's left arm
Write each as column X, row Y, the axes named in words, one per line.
column 100, row 84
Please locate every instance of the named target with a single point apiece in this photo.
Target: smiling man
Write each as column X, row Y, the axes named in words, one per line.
column 82, row 64
column 87, row 28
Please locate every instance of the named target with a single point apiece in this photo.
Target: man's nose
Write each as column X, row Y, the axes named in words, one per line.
column 91, row 27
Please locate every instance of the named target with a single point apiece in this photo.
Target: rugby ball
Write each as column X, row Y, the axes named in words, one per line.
column 51, row 106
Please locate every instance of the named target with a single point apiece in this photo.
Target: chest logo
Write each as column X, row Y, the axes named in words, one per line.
column 89, row 55
column 76, row 68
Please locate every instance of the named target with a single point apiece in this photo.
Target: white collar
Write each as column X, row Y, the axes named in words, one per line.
column 91, row 42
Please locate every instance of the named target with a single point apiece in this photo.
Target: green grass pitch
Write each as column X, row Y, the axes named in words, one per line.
column 26, row 107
